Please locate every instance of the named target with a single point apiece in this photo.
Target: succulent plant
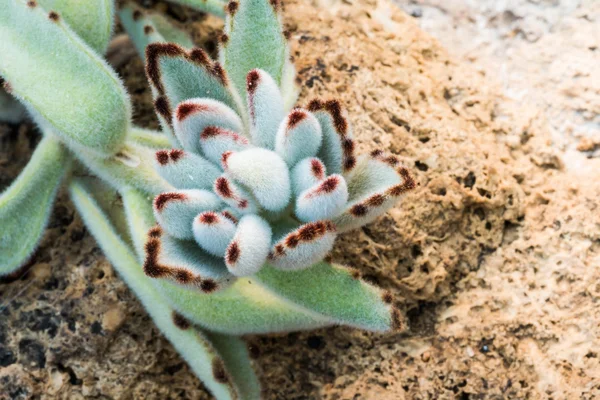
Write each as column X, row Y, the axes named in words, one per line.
column 239, row 184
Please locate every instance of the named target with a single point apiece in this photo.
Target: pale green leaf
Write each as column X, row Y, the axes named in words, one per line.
column 149, row 138
column 331, row 290
column 255, row 40
column 27, row 203
column 64, row 83
column 92, row 20
column 195, row 347
column 140, row 216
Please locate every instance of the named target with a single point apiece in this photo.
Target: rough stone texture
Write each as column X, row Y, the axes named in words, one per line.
column 494, row 257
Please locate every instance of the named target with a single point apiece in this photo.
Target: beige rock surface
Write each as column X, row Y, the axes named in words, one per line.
column 495, row 257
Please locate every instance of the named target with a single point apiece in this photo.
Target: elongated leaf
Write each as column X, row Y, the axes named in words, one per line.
column 325, row 200
column 306, row 174
column 42, row 59
column 298, row 137
column 195, row 347
column 149, row 138
column 144, row 28
column 92, row 20
column 130, row 167
column 215, row 7
column 140, row 216
column 213, row 232
column 333, row 291
column 243, row 308
column 255, row 40
column 250, row 246
column 265, row 108
column 26, row 204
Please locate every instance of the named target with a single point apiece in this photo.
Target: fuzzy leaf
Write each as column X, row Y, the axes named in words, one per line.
column 92, row 20
column 184, row 262
column 195, row 347
column 303, row 247
column 170, row 32
column 215, row 7
column 290, row 90
column 332, row 290
column 95, row 115
column 192, row 117
column 298, row 137
column 374, row 186
column 149, row 138
column 264, row 173
column 337, row 151
column 265, row 107
column 306, row 174
column 243, row 308
column 177, row 75
column 140, row 217
column 255, row 40
column 130, row 167
column 215, row 141
column 235, row 196
column 213, row 232
column 323, row 201
column 186, row 170
column 26, row 204
column 250, row 246
column 175, row 211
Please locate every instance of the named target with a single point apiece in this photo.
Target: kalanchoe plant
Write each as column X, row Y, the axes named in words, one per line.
column 227, row 216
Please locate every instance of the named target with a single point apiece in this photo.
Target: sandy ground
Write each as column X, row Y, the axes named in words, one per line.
column 495, row 259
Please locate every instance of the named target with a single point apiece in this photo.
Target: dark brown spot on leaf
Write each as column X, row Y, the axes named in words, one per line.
column 232, row 7
column 387, row 297
column 148, row 29
column 162, row 107
column 376, row 153
column 252, row 80
column 218, row 371
column 137, row 14
column 295, row 117
column 317, row 168
column 182, row 276
column 229, row 216
column 31, row 4
column 292, row 240
column 219, row 72
column 315, row 105
column 162, row 156
column 184, row 110
column 375, row 201
column 180, row 321
column 224, row 38
column 358, row 210
column 208, row 286
column 233, row 253
column 328, row 185
column 222, row 188
column 176, row 154
column 162, row 199
column 155, row 232
column 349, row 163
column 208, row 218
column 53, row 15
column 224, row 157
column 199, row 56
column 154, row 52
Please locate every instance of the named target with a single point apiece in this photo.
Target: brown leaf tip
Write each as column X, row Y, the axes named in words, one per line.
column 222, row 188
column 252, row 80
column 153, row 53
column 199, row 56
column 180, row 321
column 224, row 157
column 334, row 108
column 208, row 218
column 53, row 15
column 317, row 168
column 308, row 233
column 387, row 297
column 232, row 253
column 358, row 210
column 328, row 185
column 397, row 320
column 218, row 371
column 137, row 14
column 229, row 216
column 148, row 29
column 232, row 7
column 162, row 199
column 155, row 232
column 31, row 4
column 408, row 184
column 164, row 156
column 376, row 153
column 219, row 72
column 224, row 38
column 184, row 110
column 163, row 108
column 295, row 117
column 208, row 286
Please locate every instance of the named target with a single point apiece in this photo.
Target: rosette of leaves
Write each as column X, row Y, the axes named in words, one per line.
column 223, row 231
column 260, row 188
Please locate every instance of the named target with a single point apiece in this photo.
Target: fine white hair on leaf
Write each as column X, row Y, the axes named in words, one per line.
column 306, row 174
column 264, row 173
column 298, row 137
column 215, row 141
column 304, row 246
column 249, row 248
column 265, row 107
column 175, row 211
column 325, row 200
column 213, row 232
column 185, row 170
column 235, row 196
column 193, row 116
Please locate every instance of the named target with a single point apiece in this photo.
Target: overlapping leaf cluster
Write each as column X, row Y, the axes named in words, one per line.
column 243, row 183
